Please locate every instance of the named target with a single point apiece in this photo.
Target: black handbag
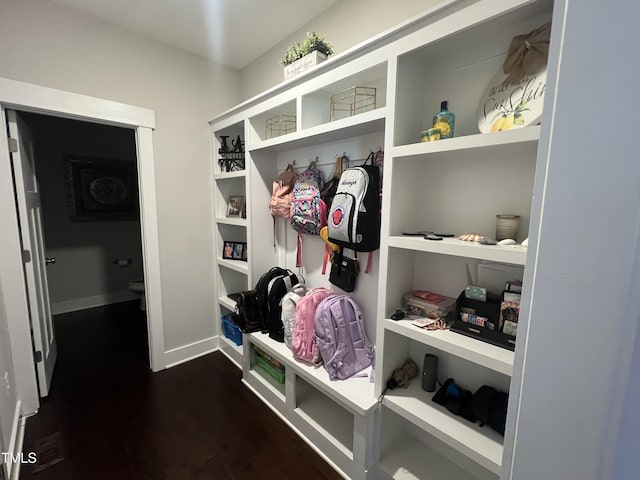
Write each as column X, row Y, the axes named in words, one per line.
column 344, row 272
column 245, row 314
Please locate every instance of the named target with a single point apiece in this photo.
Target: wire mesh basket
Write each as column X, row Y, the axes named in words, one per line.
column 352, row 101
column 280, row 125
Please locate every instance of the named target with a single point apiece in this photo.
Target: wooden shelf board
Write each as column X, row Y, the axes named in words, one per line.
column 476, row 351
column 514, row 254
column 237, row 265
column 480, row 444
column 239, row 222
column 356, row 394
column 477, row 141
column 361, row 124
column 226, row 175
column 227, row 303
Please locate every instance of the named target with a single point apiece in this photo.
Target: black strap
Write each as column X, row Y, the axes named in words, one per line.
column 370, row 157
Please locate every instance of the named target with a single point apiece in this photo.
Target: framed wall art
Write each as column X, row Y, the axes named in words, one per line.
column 100, row 190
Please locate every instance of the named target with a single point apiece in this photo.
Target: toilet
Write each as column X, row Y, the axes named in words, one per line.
column 137, row 286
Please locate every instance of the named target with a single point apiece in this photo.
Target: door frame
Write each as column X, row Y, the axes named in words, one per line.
column 15, row 95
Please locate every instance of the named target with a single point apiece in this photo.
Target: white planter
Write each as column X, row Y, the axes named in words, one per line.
column 305, row 63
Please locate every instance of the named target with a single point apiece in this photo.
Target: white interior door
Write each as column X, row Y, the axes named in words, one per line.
column 31, row 232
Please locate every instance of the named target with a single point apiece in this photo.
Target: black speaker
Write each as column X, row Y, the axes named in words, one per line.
column 429, row 372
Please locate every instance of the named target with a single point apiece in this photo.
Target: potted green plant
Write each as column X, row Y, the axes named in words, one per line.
column 299, row 57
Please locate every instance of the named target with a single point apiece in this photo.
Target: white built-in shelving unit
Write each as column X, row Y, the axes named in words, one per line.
column 231, row 275
column 456, row 185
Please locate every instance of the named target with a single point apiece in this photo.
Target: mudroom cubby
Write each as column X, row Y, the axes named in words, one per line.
column 227, row 346
column 230, row 185
column 279, row 117
column 461, row 190
column 332, row 416
column 455, row 66
column 453, row 186
column 316, row 105
column 409, row 453
column 480, row 444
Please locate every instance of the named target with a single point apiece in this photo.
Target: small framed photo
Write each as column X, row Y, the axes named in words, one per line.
column 235, row 207
column 238, row 250
column 227, row 251
column 244, row 252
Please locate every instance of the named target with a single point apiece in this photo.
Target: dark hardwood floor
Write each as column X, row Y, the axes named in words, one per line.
column 120, row 421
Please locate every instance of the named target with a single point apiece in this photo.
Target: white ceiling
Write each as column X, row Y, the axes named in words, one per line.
column 232, row 32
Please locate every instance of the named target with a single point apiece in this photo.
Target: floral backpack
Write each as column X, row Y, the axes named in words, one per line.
column 308, row 210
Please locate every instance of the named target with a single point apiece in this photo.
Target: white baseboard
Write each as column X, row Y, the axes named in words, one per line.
column 191, row 351
column 75, row 304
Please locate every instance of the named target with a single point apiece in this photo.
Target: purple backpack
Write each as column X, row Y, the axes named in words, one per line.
column 341, row 337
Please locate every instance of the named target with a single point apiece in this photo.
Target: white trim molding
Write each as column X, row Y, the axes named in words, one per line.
column 183, row 354
column 39, row 99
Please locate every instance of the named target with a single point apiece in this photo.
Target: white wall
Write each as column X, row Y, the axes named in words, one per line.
column 577, row 380
column 346, row 24
column 8, row 397
column 84, row 251
column 48, row 44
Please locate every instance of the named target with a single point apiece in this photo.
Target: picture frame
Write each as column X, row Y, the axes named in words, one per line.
column 100, row 189
column 227, row 250
column 238, row 249
column 234, row 251
column 236, row 206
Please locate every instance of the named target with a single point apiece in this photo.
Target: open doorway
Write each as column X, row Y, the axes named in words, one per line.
column 95, row 241
column 87, row 178
column 22, row 96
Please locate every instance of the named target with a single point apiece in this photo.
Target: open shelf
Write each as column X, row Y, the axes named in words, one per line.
column 462, row 191
column 330, row 419
column 482, row 353
column 515, row 254
column 265, row 382
column 232, row 132
column 412, row 460
column 258, row 123
column 316, row 105
column 355, row 393
column 456, row 61
column 480, row 444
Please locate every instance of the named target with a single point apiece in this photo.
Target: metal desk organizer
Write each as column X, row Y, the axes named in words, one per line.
column 231, row 159
column 352, row 101
column 280, row 125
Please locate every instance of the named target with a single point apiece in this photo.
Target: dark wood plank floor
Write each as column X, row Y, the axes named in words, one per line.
column 120, row 421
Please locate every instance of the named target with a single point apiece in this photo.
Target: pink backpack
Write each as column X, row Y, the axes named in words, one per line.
column 303, row 342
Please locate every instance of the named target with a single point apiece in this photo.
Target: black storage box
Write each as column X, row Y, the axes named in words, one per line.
column 489, row 309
